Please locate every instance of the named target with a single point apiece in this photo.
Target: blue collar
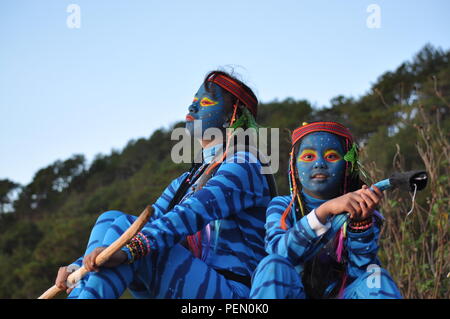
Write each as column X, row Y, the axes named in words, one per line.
column 210, row 152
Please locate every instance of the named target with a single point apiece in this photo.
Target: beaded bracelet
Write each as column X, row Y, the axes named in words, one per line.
column 132, row 253
column 146, row 241
column 137, row 248
column 138, row 244
column 360, row 226
column 361, row 222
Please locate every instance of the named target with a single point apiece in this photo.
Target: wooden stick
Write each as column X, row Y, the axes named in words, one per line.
column 105, row 254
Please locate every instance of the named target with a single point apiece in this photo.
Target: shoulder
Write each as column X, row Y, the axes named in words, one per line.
column 279, row 203
column 242, row 157
column 175, row 183
column 179, row 179
column 241, row 161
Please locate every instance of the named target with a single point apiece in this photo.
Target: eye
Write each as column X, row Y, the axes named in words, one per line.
column 207, row 102
column 332, row 156
column 307, row 156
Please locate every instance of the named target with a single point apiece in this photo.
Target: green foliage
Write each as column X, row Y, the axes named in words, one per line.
column 402, row 123
column 7, row 187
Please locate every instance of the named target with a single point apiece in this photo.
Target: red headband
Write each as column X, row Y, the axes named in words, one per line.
column 237, row 90
column 330, row 127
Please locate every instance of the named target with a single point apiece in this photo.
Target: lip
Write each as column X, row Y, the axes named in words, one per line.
column 189, row 118
column 319, row 176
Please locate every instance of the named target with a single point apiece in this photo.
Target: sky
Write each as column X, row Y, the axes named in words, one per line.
column 131, row 67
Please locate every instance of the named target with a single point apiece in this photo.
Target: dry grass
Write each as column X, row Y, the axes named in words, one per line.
column 415, row 248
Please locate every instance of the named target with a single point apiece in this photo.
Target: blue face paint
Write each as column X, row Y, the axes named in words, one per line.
column 207, row 110
column 320, row 164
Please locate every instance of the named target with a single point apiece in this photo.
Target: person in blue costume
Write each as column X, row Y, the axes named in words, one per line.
column 309, row 255
column 206, row 236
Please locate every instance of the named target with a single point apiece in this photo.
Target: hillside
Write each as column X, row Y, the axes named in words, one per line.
column 402, row 123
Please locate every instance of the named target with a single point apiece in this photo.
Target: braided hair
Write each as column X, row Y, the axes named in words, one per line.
column 317, row 273
column 351, row 180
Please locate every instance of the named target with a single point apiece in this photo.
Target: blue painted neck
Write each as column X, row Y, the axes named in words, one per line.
column 210, row 152
column 311, row 202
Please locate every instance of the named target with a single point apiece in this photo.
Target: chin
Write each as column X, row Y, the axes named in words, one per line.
column 324, row 191
column 189, row 128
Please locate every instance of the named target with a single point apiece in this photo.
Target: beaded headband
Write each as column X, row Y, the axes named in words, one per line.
column 237, row 90
column 331, row 127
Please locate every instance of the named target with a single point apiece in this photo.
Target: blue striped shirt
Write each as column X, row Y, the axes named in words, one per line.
column 299, row 242
column 237, row 195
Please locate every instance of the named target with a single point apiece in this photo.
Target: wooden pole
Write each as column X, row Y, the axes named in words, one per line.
column 105, row 254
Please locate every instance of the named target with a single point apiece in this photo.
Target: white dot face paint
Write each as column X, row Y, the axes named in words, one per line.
column 320, row 165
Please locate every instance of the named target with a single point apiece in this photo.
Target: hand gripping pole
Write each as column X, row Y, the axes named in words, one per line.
column 105, row 254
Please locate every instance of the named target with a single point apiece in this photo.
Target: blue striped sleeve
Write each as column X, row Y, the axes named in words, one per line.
column 78, row 262
column 162, row 203
column 362, row 249
column 236, row 186
column 297, row 241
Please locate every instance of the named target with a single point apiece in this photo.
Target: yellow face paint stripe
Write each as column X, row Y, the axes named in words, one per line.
column 207, row 102
column 304, row 152
column 332, row 152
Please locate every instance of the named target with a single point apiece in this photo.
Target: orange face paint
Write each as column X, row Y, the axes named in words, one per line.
column 332, row 156
column 307, row 156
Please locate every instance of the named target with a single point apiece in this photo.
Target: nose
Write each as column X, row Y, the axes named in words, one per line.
column 193, row 108
column 320, row 164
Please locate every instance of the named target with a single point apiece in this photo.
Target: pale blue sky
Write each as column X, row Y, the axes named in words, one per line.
column 133, row 66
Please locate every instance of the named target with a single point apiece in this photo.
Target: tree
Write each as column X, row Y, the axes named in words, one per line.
column 8, row 189
column 49, row 183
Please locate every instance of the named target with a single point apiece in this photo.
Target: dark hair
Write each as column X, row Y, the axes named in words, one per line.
column 228, row 97
column 322, row 269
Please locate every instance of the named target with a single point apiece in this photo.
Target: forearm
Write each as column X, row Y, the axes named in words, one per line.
column 323, row 214
column 362, row 249
column 298, row 242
